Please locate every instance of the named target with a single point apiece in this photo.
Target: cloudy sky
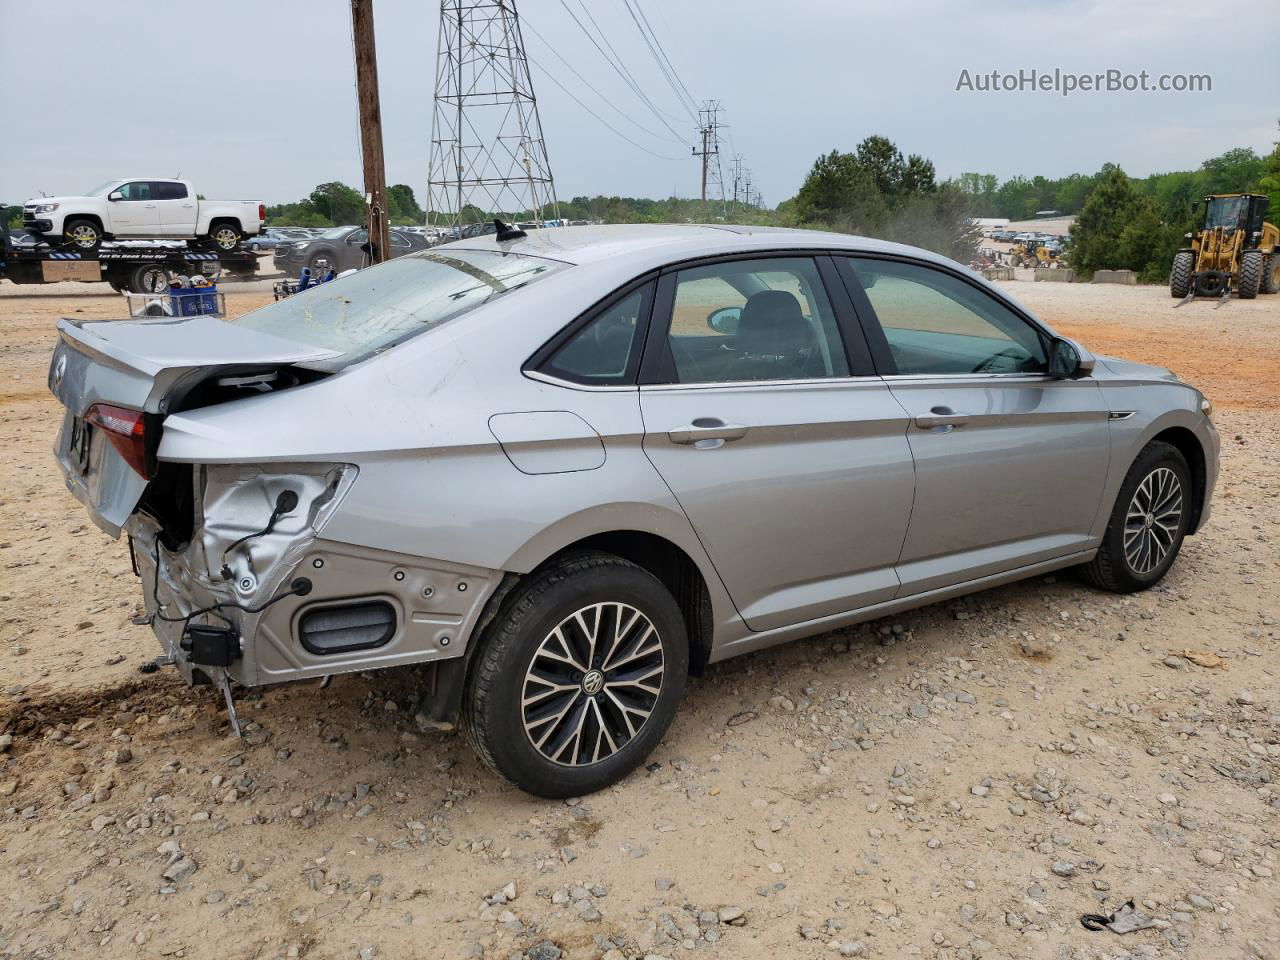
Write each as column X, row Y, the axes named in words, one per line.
column 256, row 98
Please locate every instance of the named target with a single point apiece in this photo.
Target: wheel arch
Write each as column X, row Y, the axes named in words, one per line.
column 93, row 218
column 1188, row 444
column 655, row 539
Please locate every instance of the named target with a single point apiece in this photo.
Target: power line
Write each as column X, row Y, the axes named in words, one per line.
column 662, row 50
column 671, row 78
column 631, row 83
column 525, row 22
column 621, row 64
column 550, row 76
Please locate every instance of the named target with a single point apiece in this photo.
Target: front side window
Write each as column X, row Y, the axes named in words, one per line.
column 605, row 352
column 136, row 190
column 745, row 320
column 936, row 323
column 375, row 309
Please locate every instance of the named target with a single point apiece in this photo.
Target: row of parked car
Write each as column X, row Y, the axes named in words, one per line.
column 341, row 248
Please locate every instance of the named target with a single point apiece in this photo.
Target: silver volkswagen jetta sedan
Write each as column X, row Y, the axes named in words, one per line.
column 570, row 469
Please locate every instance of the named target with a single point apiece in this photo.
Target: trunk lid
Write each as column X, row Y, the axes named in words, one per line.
column 147, row 366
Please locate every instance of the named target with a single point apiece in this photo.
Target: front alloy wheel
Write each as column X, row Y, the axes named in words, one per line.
column 577, row 677
column 1153, row 520
column 593, row 684
column 1147, row 524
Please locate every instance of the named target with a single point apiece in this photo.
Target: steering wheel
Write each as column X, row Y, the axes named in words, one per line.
column 1009, row 353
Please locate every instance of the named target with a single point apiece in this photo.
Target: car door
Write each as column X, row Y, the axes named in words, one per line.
column 135, row 213
column 350, row 253
column 763, row 416
column 400, row 244
column 1010, row 463
column 176, row 207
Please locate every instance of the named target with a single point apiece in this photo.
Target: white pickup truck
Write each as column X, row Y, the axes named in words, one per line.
column 142, row 209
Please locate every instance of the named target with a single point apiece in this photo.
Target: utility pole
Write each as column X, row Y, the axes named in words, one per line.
column 375, row 173
column 709, row 136
column 737, row 177
column 487, row 149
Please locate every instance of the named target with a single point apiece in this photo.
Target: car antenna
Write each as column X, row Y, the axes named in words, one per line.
column 507, row 232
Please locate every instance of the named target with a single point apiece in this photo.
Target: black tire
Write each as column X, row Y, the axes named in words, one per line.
column 321, row 264
column 1271, row 274
column 149, row 278
column 1251, row 262
column 1115, row 569
column 82, row 235
column 543, row 605
column 119, row 286
column 1180, row 276
column 224, row 236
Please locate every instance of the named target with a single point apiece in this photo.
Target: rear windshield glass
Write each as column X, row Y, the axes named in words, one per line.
column 375, row 309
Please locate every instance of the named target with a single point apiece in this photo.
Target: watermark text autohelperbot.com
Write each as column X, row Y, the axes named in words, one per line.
column 1065, row 83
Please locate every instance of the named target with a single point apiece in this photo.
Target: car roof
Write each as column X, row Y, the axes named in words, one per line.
column 658, row 244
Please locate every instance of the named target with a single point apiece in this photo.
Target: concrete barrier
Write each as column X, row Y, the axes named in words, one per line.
column 1058, row 274
column 1115, row 276
column 998, row 273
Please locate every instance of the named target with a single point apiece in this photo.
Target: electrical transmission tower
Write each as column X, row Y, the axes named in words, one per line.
column 487, row 152
column 738, row 183
column 709, row 138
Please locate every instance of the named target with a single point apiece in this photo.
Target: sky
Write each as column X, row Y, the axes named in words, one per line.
column 255, row 99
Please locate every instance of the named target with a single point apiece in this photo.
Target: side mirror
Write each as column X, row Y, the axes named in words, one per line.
column 1068, row 360
column 115, row 195
column 725, row 320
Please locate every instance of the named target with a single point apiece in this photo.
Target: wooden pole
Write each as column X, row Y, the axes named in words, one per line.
column 375, row 176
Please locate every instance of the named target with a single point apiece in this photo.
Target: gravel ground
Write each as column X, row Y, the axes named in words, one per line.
column 964, row 781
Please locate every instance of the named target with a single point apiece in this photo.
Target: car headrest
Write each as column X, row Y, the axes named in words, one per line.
column 772, row 322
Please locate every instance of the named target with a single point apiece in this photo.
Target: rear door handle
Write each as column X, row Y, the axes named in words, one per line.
column 707, row 428
column 941, row 417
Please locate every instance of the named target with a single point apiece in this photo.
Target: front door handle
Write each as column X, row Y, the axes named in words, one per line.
column 707, row 428
column 941, row 417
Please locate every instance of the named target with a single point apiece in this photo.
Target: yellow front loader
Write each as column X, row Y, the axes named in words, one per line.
column 1235, row 249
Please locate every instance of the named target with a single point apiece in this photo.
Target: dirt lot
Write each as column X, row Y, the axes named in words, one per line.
column 963, row 782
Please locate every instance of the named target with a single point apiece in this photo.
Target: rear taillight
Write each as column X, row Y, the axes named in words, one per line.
column 126, row 430
column 262, row 212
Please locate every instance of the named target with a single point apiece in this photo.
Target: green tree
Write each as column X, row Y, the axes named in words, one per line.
column 338, row 203
column 839, row 189
column 918, row 176
column 1269, row 183
column 1120, row 229
column 402, row 205
column 883, row 161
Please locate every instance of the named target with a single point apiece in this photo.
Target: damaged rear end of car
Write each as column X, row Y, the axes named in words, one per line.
column 221, row 451
column 213, row 544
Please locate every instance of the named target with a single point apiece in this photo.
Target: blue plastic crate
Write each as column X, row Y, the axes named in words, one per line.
column 196, row 301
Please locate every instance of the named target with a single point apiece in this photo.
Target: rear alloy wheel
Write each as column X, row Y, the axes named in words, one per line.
column 1251, row 264
column 1148, row 522
column 1180, row 276
column 578, row 676
column 1271, row 274
column 224, row 237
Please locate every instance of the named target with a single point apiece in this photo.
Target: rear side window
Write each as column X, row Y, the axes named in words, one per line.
column 167, row 190
column 606, row 351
